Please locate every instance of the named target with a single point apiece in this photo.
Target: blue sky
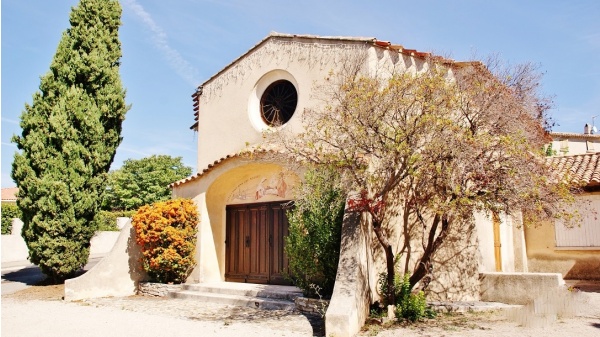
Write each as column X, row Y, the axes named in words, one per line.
column 170, row 47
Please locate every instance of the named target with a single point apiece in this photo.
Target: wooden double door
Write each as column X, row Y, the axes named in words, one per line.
column 254, row 243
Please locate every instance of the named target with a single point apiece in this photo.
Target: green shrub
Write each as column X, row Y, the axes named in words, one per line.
column 313, row 243
column 383, row 286
column 9, row 211
column 166, row 233
column 107, row 220
column 409, row 306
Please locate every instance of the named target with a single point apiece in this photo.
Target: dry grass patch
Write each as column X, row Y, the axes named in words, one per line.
column 41, row 292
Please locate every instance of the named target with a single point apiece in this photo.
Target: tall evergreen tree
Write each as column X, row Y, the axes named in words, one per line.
column 70, row 134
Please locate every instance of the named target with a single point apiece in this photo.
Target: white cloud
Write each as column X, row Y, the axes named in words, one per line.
column 182, row 67
column 9, row 144
column 10, row 121
column 130, row 150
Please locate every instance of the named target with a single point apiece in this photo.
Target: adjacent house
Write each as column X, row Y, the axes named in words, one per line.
column 573, row 252
column 9, row 195
column 567, row 143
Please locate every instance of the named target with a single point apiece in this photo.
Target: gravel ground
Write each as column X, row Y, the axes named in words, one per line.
column 40, row 311
column 518, row 322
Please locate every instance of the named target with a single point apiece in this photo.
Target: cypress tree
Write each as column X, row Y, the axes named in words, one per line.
column 70, row 134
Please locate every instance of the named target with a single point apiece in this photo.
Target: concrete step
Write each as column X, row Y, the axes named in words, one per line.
column 236, row 300
column 261, row 296
column 246, row 289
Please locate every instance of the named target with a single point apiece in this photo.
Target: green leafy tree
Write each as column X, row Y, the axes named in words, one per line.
column 143, row 181
column 313, row 242
column 70, row 134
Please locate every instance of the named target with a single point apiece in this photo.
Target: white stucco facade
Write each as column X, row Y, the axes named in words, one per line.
column 229, row 122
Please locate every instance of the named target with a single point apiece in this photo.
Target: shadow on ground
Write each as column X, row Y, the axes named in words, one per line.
column 29, row 276
column 243, row 314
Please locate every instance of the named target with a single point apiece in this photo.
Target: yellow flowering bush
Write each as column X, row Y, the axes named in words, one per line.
column 166, row 232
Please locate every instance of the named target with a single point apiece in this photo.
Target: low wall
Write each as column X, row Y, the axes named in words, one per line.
column 519, row 288
column 102, row 243
column 117, row 274
column 350, row 301
column 14, row 248
column 157, row 289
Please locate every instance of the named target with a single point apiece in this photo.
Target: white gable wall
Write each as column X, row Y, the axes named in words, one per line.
column 229, row 116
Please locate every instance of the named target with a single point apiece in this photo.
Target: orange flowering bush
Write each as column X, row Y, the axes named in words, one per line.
column 166, row 232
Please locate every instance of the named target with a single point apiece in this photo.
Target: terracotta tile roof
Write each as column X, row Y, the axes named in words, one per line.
column 203, row 172
column 556, row 135
column 583, row 169
column 254, row 153
column 9, row 194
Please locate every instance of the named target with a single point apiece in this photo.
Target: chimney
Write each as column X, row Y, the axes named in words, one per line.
column 587, row 129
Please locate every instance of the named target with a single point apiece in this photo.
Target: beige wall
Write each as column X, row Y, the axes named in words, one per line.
column 356, row 278
column 512, row 241
column 544, row 256
column 467, row 252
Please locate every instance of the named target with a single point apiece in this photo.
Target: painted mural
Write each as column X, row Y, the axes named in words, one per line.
column 264, row 187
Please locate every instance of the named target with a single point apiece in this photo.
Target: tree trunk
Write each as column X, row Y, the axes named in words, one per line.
column 433, row 244
column 389, row 260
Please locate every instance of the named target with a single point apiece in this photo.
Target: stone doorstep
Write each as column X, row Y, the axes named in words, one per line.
column 236, row 300
column 246, row 289
column 269, row 297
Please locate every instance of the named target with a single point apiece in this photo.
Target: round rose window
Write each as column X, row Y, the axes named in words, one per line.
column 278, row 103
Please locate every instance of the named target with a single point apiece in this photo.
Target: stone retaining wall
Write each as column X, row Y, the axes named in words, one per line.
column 157, row 289
column 311, row 305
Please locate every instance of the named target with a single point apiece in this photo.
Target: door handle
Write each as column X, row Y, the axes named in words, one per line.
column 247, row 241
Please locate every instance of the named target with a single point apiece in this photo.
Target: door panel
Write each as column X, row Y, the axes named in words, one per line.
column 258, row 253
column 235, row 257
column 254, row 243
